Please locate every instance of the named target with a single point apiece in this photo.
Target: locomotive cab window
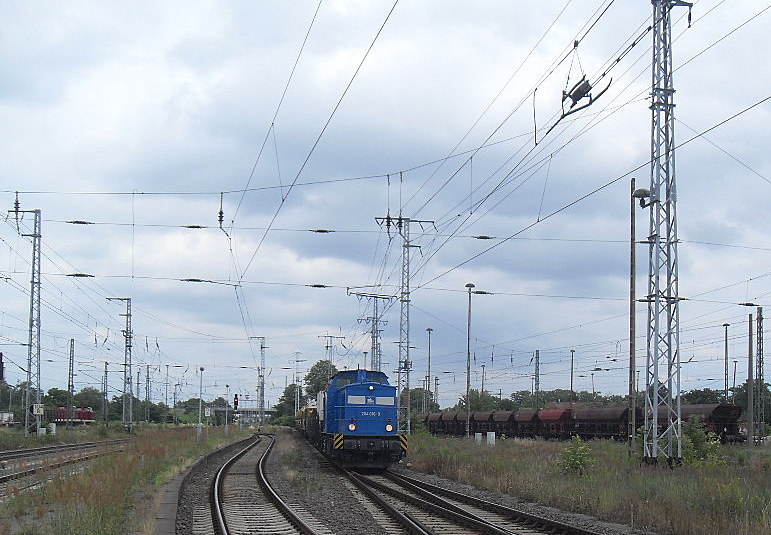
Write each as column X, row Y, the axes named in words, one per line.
column 377, row 377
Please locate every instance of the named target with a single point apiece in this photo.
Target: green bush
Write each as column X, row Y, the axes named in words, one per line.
column 576, row 458
column 700, row 445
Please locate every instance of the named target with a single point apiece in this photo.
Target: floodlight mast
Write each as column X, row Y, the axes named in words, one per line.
column 662, row 392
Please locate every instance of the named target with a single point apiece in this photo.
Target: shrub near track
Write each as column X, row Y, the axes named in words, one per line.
column 107, row 498
column 731, row 496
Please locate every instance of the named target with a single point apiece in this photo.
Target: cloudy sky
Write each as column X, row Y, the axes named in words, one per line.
column 145, row 119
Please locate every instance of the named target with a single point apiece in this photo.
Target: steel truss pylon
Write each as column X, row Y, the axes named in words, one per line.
column 128, row 387
column 405, row 364
column 760, row 382
column 375, row 355
column 375, row 322
column 261, row 376
column 404, row 421
column 32, row 392
column 663, row 430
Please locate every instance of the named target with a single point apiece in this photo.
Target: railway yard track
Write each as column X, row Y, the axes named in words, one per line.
column 241, row 499
column 28, row 468
column 255, row 496
column 425, row 509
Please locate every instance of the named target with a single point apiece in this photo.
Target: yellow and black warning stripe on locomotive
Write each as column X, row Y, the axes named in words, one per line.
column 403, row 442
column 337, row 441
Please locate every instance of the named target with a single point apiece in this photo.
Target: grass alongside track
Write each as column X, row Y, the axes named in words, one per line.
column 11, row 439
column 729, row 494
column 110, row 496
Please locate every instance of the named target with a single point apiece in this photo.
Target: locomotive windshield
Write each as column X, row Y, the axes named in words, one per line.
column 377, row 377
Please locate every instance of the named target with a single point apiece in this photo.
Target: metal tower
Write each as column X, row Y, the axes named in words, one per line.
column 261, row 378
column 105, row 406
column 663, row 433
column 148, row 395
column 405, row 364
column 128, row 387
column 376, row 353
column 402, row 224
column 760, row 387
column 71, row 384
column 32, row 392
column 330, row 349
column 537, row 378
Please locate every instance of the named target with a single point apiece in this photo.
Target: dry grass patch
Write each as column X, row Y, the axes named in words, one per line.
column 731, row 496
column 100, row 500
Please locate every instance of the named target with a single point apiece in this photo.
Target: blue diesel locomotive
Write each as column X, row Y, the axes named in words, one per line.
column 355, row 421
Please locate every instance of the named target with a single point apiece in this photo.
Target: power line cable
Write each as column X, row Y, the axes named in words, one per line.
column 318, row 139
column 275, row 113
column 593, row 192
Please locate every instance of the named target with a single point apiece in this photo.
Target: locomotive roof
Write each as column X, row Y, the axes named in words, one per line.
column 347, row 377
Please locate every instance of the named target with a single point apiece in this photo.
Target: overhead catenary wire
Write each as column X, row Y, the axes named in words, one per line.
column 466, row 219
column 431, row 237
column 592, row 192
column 275, row 115
column 316, row 142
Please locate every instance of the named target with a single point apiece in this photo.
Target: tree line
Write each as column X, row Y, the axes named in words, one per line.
column 184, row 412
column 318, row 376
column 316, row 380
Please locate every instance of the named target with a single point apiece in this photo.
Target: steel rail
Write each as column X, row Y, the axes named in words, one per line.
column 553, row 526
column 407, row 521
column 51, row 466
column 43, row 450
column 441, row 508
column 218, row 516
column 283, row 507
column 8, row 455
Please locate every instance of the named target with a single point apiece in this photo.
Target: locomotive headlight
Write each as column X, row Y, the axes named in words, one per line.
column 371, row 387
column 351, row 427
column 389, row 427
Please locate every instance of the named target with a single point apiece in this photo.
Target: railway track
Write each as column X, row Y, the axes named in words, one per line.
column 242, row 500
column 27, row 468
column 424, row 509
column 30, row 453
column 399, row 505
